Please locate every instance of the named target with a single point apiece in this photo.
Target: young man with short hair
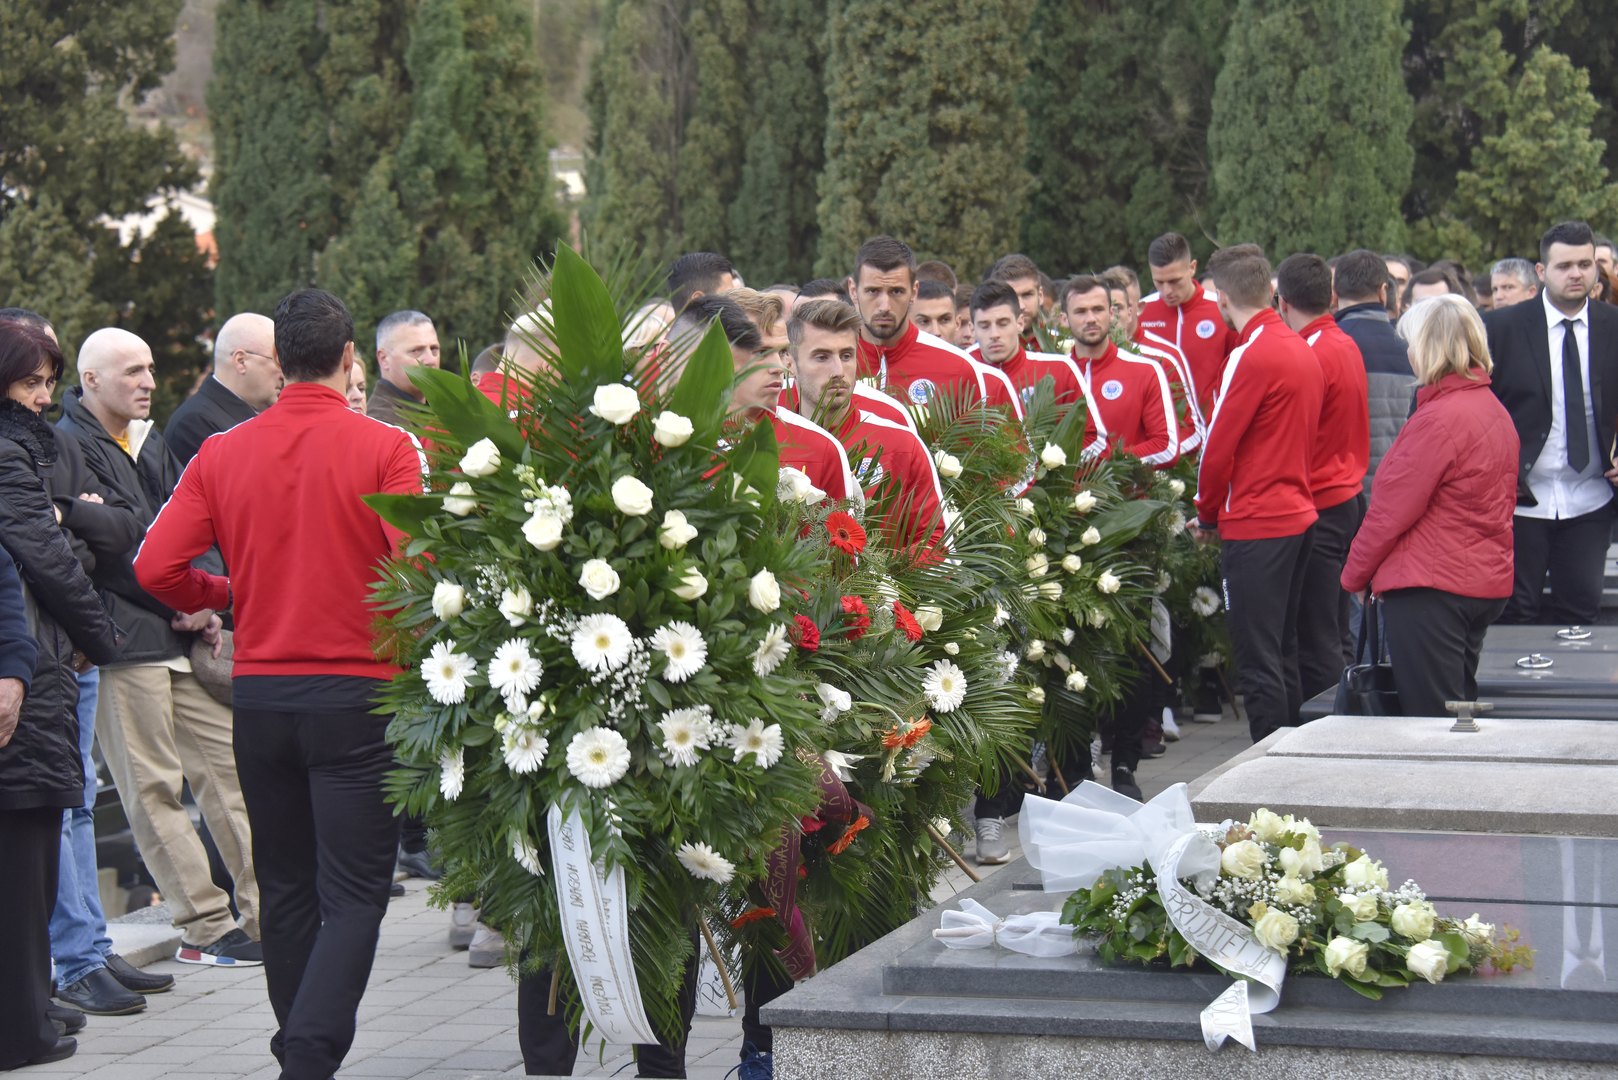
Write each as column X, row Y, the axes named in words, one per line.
column 1133, row 405
column 934, row 309
column 1338, row 462
column 699, row 274
column 404, row 339
column 1183, row 316
column 1027, row 281
column 1253, row 487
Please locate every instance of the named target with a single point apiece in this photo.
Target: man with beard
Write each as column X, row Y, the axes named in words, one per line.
column 1183, row 316
column 1133, row 407
column 996, row 323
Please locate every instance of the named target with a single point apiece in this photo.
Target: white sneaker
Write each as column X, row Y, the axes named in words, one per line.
column 488, row 948
column 463, row 920
column 992, row 845
column 1171, row 730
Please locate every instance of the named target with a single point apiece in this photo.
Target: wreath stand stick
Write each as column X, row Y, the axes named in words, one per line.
column 719, row 961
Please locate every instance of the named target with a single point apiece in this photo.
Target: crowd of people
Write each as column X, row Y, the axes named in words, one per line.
column 1366, row 429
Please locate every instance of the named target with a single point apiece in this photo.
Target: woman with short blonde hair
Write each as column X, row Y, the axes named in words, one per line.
column 1435, row 547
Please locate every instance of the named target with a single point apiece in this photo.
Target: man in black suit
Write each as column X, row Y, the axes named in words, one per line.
column 1556, row 372
column 246, row 380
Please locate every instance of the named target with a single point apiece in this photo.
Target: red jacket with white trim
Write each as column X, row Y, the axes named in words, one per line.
column 916, row 365
column 1343, row 441
column 1197, row 331
column 281, row 496
column 1188, row 417
column 866, row 397
column 814, row 451
column 902, row 459
column 1131, row 394
column 1253, row 483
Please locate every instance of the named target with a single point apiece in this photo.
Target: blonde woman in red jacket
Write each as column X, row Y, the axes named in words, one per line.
column 1435, row 546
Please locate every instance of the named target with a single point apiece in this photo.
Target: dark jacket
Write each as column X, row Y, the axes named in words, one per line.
column 41, row 766
column 391, row 405
column 212, row 409
column 1388, row 377
column 144, row 486
column 1520, row 346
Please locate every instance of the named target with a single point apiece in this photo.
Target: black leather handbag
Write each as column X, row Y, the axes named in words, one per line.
column 1367, row 687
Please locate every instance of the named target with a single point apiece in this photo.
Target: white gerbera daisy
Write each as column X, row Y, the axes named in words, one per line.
column 704, row 863
column 525, row 750
column 446, row 672
column 514, row 670
column 601, row 643
column 766, row 744
column 598, row 757
column 685, row 731
column 526, row 854
column 944, row 686
column 451, row 774
column 682, row 643
column 772, row 650
column 1205, row 601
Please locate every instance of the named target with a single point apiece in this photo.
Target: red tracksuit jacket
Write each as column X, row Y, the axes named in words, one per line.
column 1343, row 441
column 916, row 365
column 1198, row 333
column 1133, row 399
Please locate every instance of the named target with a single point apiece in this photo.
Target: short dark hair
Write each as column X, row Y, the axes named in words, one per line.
column 27, row 318
column 1573, row 233
column 399, row 319
column 311, row 328
column 738, row 328
column 1047, row 286
column 1012, row 268
column 822, row 286
column 1360, row 276
column 933, row 270
column 488, row 360
column 24, row 346
column 963, row 297
column 1168, row 248
column 993, row 294
column 1078, row 285
column 884, row 254
column 1412, row 264
column 1241, row 275
column 1433, row 275
column 1304, row 281
column 933, row 289
column 696, row 272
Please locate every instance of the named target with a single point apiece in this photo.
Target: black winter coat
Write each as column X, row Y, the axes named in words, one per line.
column 41, row 765
column 212, row 409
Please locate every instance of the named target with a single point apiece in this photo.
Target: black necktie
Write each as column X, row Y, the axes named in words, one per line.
column 1578, row 433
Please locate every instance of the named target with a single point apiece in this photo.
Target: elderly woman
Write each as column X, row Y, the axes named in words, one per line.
column 1435, row 546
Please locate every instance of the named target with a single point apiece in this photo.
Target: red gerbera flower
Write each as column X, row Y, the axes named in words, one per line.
column 752, row 916
column 856, row 617
column 805, row 634
column 913, row 732
column 845, row 533
column 906, row 622
column 848, row 836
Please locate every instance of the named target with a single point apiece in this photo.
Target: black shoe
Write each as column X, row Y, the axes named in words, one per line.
column 1123, row 782
column 63, row 1050
column 1150, row 748
column 133, row 978
column 417, row 864
column 396, row 889
column 235, row 949
column 71, row 1019
column 99, row 994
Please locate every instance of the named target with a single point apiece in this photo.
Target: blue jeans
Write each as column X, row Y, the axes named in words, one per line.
column 79, row 941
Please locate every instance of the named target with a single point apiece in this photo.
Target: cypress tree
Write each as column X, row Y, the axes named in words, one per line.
column 1310, row 124
column 924, row 136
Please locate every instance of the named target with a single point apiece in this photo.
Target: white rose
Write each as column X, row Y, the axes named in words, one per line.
column 1178, row 487
column 949, row 466
column 482, row 458
column 1289, row 890
column 1037, row 565
column 1072, row 563
column 1050, row 590
column 1244, row 859
column 1363, row 906
column 692, row 585
column 1266, row 825
column 1098, row 618
column 764, row 592
column 1302, row 864
column 952, row 648
column 1036, row 536
column 516, row 605
column 1476, row 931
column 599, row 579
column 1414, row 921
column 1275, row 929
column 543, row 530
column 615, row 403
column 1037, row 695
column 1076, row 680
column 456, row 501
column 1084, row 502
column 449, row 599
column 672, row 429
column 675, row 532
column 631, row 496
column 1430, row 960
column 1035, row 650
column 1068, row 635
column 794, row 485
column 1108, row 582
column 1025, row 506
column 1363, row 873
column 1092, row 535
column 1346, row 954
column 929, row 617
column 1053, row 456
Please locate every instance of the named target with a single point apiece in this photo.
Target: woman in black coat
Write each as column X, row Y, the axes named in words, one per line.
column 41, row 770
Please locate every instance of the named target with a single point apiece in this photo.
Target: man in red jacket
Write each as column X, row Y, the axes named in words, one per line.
column 303, row 550
column 996, row 324
column 1184, row 317
column 1342, row 453
column 1128, row 393
column 1253, row 487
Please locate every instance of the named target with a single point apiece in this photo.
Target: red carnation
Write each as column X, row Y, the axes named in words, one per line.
column 805, row 634
column 906, row 622
column 811, row 824
column 855, row 617
column 845, row 533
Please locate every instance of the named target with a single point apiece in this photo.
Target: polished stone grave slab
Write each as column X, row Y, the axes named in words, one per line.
column 1552, row 777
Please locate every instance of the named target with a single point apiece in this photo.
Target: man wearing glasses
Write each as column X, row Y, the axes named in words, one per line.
column 246, row 380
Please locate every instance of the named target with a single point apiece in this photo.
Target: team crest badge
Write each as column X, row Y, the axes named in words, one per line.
column 1112, row 390
column 921, row 391
column 1205, row 329
column 869, row 472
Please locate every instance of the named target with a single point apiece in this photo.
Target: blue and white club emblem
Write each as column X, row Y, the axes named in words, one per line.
column 1205, row 329
column 921, row 391
column 1112, row 389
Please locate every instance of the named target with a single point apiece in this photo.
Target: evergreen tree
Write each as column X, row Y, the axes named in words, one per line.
column 924, row 136
column 1118, row 103
column 1310, row 124
column 774, row 230
column 45, row 266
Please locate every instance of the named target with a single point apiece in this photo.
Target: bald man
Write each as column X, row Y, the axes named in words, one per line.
column 246, row 380
column 157, row 726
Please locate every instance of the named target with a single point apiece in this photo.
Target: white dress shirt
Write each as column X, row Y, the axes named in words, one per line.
column 1563, row 493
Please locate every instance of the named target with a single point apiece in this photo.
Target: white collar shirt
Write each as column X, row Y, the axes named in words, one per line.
column 1563, row 493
